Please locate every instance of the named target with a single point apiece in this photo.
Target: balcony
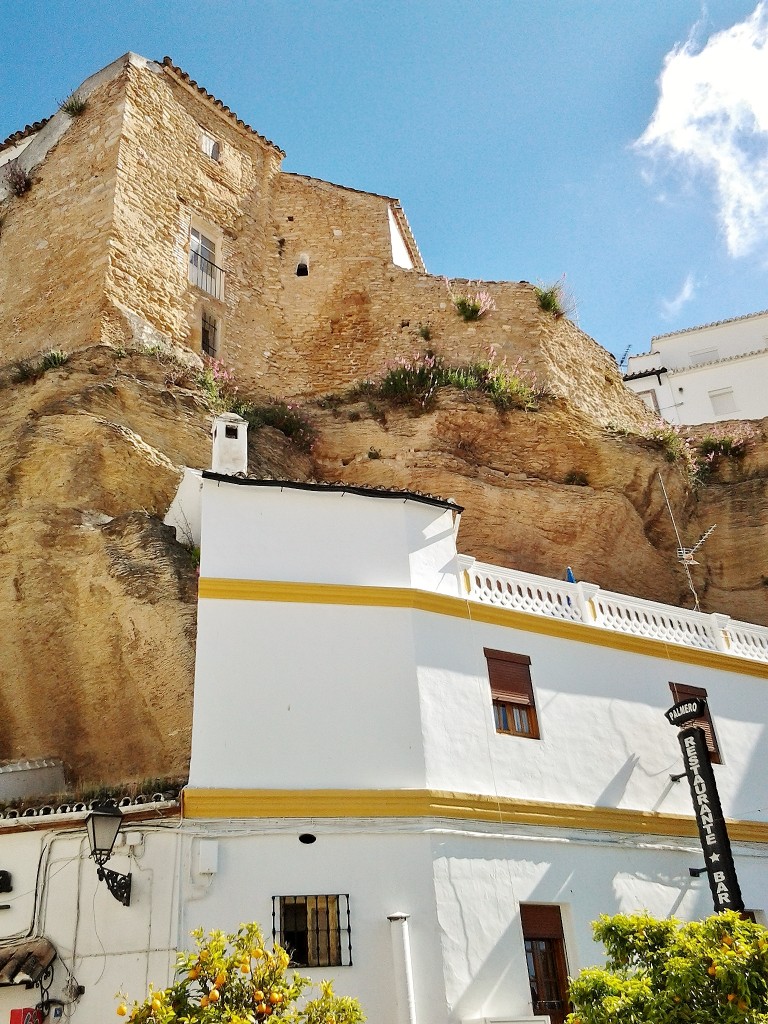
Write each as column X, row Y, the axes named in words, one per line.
column 204, row 274
column 587, row 604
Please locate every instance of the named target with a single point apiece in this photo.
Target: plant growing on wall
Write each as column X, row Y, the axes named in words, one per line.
column 73, row 105
column 414, row 380
column 555, row 299
column 665, row 972
column 234, row 978
column 472, row 304
column 17, row 178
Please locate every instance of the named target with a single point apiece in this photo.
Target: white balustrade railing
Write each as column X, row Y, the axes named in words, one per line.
column 747, row 640
column 586, row 603
column 658, row 621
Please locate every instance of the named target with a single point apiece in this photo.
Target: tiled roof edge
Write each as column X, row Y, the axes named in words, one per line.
column 715, row 323
column 182, row 75
column 23, row 133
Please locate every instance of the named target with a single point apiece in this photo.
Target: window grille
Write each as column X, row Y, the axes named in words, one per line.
column 203, row 271
column 209, row 335
column 315, row 930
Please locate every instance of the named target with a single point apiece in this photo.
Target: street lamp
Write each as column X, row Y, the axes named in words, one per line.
column 102, row 826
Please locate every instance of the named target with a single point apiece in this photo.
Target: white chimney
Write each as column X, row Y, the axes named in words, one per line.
column 230, row 445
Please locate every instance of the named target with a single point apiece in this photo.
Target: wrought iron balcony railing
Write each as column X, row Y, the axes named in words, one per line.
column 205, row 274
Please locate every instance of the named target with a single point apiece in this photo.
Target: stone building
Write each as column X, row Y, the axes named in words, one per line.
column 157, row 215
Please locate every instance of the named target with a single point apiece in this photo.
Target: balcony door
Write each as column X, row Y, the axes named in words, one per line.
column 545, row 957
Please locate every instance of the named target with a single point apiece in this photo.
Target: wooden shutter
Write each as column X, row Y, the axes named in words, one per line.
column 510, row 676
column 681, row 692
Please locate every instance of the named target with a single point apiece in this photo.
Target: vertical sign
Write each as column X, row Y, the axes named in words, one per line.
column 713, row 833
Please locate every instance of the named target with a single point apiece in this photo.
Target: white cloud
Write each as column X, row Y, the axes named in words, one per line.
column 671, row 307
column 712, row 116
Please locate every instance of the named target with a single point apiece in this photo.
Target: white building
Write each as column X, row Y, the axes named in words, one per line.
column 394, row 742
column 705, row 374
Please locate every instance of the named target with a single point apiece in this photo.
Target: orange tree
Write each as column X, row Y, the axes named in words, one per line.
column 236, row 979
column 713, row 971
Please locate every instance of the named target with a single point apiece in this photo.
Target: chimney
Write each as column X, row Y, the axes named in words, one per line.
column 230, row 445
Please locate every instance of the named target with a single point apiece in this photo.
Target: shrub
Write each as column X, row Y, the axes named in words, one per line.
column 471, row 305
column 17, row 178
column 27, row 369
column 415, row 381
column 283, row 416
column 665, row 972
column 235, row 978
column 74, row 105
column 555, row 299
column 53, row 358
column 425, row 332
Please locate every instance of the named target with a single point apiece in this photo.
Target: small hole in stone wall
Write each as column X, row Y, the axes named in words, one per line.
column 307, row 838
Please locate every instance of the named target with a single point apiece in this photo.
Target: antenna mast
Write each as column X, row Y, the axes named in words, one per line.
column 684, row 554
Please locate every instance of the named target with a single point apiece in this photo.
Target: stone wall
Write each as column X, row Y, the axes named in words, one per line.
column 111, row 212
column 54, row 239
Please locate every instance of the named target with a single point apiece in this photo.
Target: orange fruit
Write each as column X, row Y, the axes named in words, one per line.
column 261, row 1008
column 204, row 1002
column 258, row 995
column 213, row 996
column 121, row 1010
column 711, row 969
column 156, row 1004
column 275, row 997
column 221, row 977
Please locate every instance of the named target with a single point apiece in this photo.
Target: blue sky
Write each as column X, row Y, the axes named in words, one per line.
column 526, row 140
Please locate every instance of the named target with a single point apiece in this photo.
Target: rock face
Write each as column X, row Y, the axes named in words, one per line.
column 98, row 258
column 97, row 601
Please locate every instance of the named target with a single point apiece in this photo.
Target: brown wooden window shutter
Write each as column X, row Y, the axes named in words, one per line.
column 514, row 707
column 681, row 692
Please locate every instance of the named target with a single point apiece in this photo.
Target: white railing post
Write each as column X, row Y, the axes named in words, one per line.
column 720, row 631
column 585, row 592
column 465, row 569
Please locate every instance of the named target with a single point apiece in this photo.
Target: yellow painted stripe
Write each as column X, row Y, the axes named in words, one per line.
column 443, row 604
column 424, row 803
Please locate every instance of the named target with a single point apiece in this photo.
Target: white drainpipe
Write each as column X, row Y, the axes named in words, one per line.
column 401, row 949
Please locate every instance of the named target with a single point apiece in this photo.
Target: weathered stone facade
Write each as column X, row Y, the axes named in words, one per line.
column 109, row 217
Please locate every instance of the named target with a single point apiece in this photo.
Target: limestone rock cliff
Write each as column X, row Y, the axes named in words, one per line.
column 97, row 598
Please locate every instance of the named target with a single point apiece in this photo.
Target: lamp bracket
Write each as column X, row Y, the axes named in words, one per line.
column 119, row 885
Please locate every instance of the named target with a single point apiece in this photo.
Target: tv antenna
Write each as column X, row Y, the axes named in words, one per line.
column 623, row 359
column 684, row 554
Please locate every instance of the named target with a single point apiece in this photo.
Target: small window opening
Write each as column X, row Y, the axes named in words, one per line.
column 302, row 269
column 316, row 930
column 230, row 430
column 209, row 146
column 209, row 334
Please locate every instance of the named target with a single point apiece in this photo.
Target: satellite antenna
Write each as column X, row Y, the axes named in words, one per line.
column 684, row 554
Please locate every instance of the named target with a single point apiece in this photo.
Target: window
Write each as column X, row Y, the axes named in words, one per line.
column 209, row 145
column 210, row 332
column 681, row 692
column 650, row 399
column 545, row 958
column 514, row 709
column 302, row 267
column 316, row 930
column 723, row 402
column 203, row 271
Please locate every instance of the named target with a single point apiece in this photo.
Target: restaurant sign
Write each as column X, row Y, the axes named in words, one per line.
column 721, row 871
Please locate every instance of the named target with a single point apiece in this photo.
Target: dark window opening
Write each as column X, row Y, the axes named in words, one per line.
column 545, row 959
column 230, row 430
column 315, row 930
column 681, row 692
column 302, row 270
column 514, row 707
column 209, row 332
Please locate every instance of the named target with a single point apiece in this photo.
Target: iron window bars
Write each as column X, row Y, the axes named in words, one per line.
column 313, row 929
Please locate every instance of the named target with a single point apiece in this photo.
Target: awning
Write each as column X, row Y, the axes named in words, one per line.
column 24, row 963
